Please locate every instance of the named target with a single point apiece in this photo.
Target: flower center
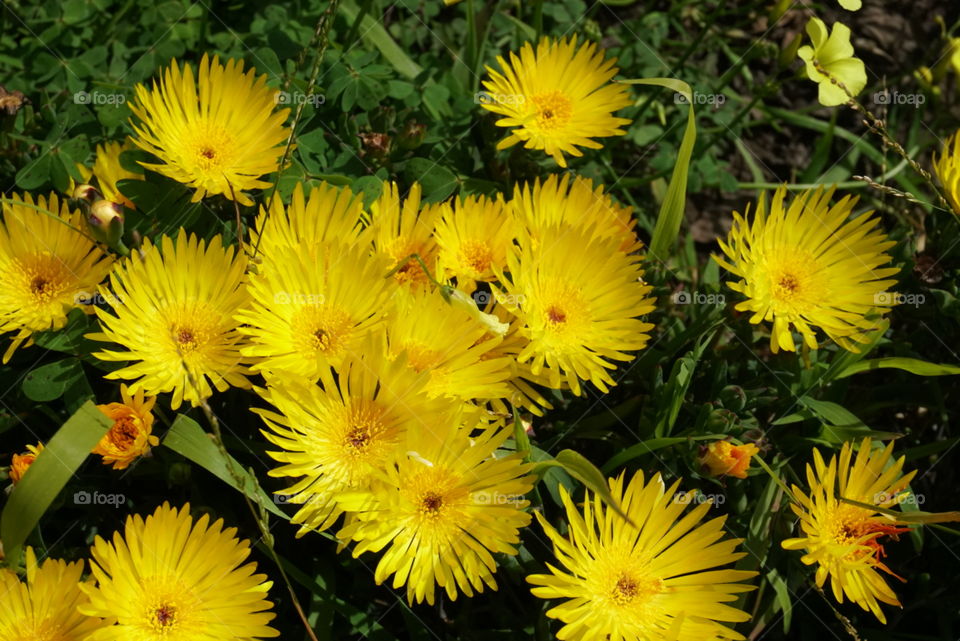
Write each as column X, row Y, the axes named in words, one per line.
column 553, row 110
column 165, row 615
column 422, row 358
column 556, row 315
column 185, row 338
column 630, row 590
column 124, row 432
column 43, row 279
column 320, row 329
column 476, row 256
column 212, row 147
column 431, row 503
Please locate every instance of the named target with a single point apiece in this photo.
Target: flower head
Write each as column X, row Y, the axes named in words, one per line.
column 311, row 306
column 947, row 168
column 723, row 458
column 173, row 315
column 446, row 504
column 579, row 300
column 404, row 227
column 340, row 436
column 131, row 435
column 448, row 343
column 326, row 215
column 845, row 541
column 19, row 463
column 172, row 577
column 558, row 201
column 217, row 133
column 830, row 63
column 654, row 577
column 557, row 98
column 48, row 267
column 44, row 608
column 473, row 237
column 803, row 264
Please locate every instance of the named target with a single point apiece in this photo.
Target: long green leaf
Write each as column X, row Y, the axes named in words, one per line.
column 912, row 365
column 651, row 445
column 667, row 229
column 48, row 474
column 587, row 473
column 187, row 438
column 374, row 33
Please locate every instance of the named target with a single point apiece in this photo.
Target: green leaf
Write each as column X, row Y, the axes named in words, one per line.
column 438, row 181
column 667, row 228
column 186, row 437
column 35, row 174
column 50, row 381
column 48, row 474
column 374, row 33
column 586, row 472
column 912, row 365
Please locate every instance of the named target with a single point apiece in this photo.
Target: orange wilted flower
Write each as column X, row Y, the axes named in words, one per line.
column 131, row 434
column 21, row 462
column 723, row 458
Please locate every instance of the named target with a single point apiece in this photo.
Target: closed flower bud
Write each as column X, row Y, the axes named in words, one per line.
column 106, row 222
column 87, row 192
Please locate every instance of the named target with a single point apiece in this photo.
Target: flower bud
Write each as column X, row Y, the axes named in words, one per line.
column 106, row 222
column 87, row 192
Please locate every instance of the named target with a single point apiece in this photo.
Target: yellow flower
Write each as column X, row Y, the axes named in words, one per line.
column 655, row 577
column 401, row 229
column 45, row 606
column 327, row 215
column 830, row 61
column 173, row 315
column 851, row 5
column 723, row 458
column 579, row 204
column 805, row 265
column 844, row 540
column 339, row 436
column 170, row 577
column 445, row 506
column 131, row 435
column 579, row 299
column 48, row 267
column 947, row 168
column 449, row 343
column 21, row 462
column 217, row 134
column 557, row 98
column 474, row 236
column 311, row 307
